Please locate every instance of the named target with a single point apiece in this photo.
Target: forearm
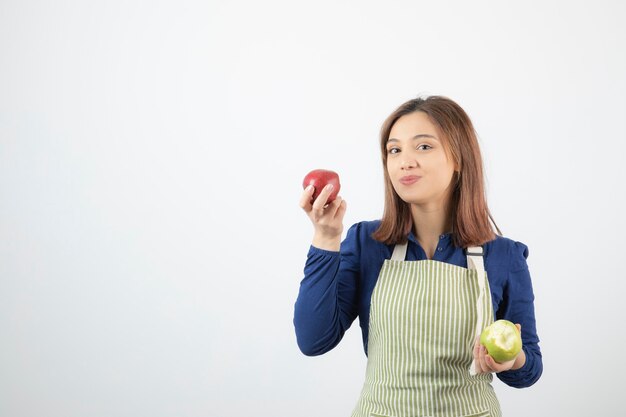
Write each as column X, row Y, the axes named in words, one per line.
column 520, row 360
column 317, row 317
column 529, row 372
column 327, row 300
column 327, row 243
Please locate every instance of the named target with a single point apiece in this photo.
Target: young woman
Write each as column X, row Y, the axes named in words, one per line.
column 425, row 279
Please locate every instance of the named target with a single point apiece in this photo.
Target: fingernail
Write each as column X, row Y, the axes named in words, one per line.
column 329, row 187
column 309, row 187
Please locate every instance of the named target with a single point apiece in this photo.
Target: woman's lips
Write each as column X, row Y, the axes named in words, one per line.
column 409, row 179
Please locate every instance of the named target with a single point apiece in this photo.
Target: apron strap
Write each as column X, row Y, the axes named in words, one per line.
column 475, row 262
column 399, row 252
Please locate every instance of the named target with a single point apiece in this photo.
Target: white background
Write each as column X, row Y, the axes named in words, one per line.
column 151, row 159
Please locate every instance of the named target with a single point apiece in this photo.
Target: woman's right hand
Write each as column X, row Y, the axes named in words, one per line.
column 327, row 219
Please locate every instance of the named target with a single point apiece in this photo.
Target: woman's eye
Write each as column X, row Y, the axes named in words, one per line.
column 428, row 146
column 393, row 150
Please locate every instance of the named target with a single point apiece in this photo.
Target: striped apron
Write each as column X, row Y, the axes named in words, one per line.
column 424, row 318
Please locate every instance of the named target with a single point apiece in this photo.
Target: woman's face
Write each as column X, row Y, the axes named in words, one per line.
column 419, row 169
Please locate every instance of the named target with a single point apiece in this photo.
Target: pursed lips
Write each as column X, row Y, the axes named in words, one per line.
column 409, row 179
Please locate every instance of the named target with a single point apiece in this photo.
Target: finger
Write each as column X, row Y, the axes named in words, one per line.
column 476, row 352
column 498, row 367
column 519, row 327
column 476, row 348
column 320, row 201
column 491, row 364
column 305, row 199
column 480, row 359
column 332, row 207
column 319, row 208
column 341, row 210
column 483, row 360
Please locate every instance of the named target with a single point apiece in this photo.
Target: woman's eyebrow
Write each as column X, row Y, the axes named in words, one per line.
column 418, row 136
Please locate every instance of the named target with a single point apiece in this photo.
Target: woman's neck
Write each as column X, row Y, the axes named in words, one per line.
column 429, row 223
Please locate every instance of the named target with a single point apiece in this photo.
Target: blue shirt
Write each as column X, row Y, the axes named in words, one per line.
column 337, row 287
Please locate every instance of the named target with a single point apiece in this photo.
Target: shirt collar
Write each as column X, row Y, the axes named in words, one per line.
column 444, row 237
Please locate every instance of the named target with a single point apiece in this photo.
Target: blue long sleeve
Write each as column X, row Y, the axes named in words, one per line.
column 327, row 300
column 518, row 307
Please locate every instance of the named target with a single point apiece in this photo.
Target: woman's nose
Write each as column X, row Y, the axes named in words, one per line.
column 408, row 163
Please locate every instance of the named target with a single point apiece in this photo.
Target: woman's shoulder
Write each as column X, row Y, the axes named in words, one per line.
column 360, row 233
column 507, row 252
column 364, row 229
column 359, row 241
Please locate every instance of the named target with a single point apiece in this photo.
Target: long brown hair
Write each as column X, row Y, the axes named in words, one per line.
column 468, row 202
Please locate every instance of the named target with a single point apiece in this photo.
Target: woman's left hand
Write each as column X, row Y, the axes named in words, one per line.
column 486, row 364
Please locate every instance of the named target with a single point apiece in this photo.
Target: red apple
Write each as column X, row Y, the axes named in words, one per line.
column 319, row 178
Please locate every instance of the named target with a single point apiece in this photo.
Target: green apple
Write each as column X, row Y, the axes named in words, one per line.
column 502, row 340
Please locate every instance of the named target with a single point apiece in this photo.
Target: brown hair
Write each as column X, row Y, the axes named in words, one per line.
column 468, row 203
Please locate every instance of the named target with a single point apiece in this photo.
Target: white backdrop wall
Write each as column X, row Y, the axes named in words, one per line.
column 151, row 158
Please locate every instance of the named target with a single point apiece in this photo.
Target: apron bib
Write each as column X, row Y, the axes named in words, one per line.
column 424, row 318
